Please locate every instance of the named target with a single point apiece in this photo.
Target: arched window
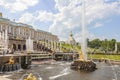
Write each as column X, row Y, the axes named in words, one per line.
column 14, row 46
column 24, row 47
column 19, row 47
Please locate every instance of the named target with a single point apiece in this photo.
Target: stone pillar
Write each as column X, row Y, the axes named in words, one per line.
column 51, row 44
column 3, row 35
column 30, row 34
column 19, row 31
column 29, row 45
column 60, row 47
column 13, row 31
column 1, row 27
column 16, row 32
column 9, row 29
column 47, row 42
column 0, row 35
column 22, row 32
column 54, row 45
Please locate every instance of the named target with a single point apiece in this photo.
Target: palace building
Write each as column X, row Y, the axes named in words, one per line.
column 19, row 32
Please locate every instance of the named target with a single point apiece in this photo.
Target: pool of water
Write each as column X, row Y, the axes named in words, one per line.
column 61, row 71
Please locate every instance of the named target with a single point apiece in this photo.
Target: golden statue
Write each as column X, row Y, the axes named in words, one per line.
column 11, row 60
column 81, row 56
column 31, row 77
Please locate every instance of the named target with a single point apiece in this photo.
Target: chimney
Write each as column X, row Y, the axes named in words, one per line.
column 0, row 14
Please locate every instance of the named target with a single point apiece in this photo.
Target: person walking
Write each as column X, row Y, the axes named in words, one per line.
column 3, row 52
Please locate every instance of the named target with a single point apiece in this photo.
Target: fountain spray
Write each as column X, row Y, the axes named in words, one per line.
column 83, row 64
column 84, row 38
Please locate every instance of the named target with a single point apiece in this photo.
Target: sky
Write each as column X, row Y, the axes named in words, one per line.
column 60, row 17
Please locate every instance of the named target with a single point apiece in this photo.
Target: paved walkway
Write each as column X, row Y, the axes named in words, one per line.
column 3, row 78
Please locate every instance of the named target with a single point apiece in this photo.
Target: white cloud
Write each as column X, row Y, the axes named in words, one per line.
column 69, row 15
column 26, row 18
column 45, row 16
column 98, row 25
column 89, row 35
column 17, row 5
column 98, row 9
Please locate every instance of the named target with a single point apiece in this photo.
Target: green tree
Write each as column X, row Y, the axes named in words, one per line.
column 96, row 43
column 108, row 45
column 112, row 44
column 104, row 45
column 118, row 46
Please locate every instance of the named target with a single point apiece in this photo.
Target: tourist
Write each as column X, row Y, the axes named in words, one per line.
column 9, row 51
column 3, row 52
column 6, row 51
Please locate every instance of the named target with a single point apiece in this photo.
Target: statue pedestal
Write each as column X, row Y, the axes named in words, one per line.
column 83, row 65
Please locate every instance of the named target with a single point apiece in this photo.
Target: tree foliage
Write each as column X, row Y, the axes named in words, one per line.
column 104, row 45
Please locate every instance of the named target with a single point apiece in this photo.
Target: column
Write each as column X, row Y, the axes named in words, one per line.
column 50, row 42
column 19, row 31
column 6, row 39
column 3, row 35
column 54, row 46
column 22, row 32
column 9, row 29
column 1, row 27
column 0, row 36
column 13, row 31
column 60, row 47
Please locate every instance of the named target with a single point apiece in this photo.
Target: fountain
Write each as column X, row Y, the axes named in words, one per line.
column 12, row 62
column 82, row 63
column 3, row 41
column 29, row 45
column 10, row 66
column 31, row 76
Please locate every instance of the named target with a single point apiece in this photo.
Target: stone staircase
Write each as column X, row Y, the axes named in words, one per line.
column 41, row 52
column 41, row 47
column 44, row 48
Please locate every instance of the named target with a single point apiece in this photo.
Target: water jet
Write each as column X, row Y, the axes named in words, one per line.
column 82, row 63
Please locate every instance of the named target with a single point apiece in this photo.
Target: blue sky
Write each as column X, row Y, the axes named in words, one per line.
column 62, row 16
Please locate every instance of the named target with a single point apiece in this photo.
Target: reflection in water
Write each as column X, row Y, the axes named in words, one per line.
column 62, row 73
column 57, row 71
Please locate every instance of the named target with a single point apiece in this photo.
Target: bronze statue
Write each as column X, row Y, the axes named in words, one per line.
column 11, row 60
column 31, row 77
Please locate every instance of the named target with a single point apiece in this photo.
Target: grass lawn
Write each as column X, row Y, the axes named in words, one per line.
column 101, row 56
